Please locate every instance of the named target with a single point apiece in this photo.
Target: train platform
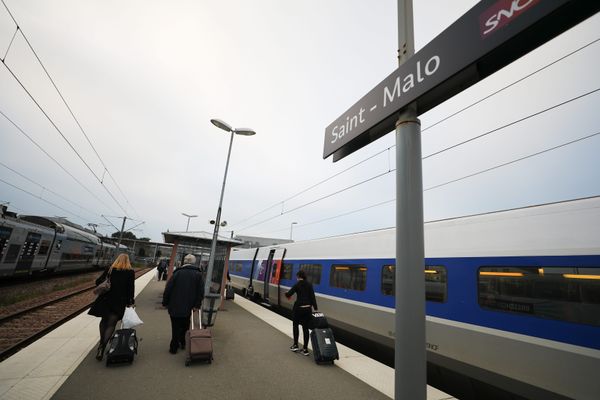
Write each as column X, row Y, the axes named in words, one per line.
column 251, row 360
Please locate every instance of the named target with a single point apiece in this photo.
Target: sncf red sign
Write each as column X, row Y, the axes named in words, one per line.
column 502, row 13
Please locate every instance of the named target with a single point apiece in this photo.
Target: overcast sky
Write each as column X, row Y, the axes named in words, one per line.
column 144, row 78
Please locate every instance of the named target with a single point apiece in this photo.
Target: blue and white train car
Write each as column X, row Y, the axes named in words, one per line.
column 513, row 297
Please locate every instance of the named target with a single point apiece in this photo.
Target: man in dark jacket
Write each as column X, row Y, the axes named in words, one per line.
column 183, row 292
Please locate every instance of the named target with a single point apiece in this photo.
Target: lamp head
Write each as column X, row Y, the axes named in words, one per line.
column 244, row 132
column 221, row 124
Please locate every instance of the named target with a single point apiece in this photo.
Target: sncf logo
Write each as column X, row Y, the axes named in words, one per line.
column 502, row 13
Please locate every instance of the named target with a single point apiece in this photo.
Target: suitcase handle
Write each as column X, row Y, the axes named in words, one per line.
column 195, row 313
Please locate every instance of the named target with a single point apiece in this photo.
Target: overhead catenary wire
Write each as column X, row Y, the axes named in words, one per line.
column 63, row 136
column 282, row 202
column 41, row 198
column 55, row 161
column 20, row 30
column 46, row 189
column 510, row 85
column 423, row 158
column 312, row 186
column 510, row 124
column 444, row 183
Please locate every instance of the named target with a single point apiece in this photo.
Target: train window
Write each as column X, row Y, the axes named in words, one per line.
column 12, row 253
column 239, row 267
column 436, row 282
column 286, row 271
column 388, row 279
column 348, row 276
column 5, row 233
column 564, row 293
column 313, row 272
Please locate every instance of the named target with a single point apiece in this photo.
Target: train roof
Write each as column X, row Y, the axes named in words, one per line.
column 561, row 228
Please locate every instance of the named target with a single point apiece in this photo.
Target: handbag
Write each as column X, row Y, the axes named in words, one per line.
column 130, row 318
column 104, row 286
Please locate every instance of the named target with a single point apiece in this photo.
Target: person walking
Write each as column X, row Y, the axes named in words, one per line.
column 302, row 313
column 183, row 292
column 110, row 306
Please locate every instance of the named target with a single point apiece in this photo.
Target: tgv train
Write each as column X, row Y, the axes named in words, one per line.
column 512, row 297
column 31, row 244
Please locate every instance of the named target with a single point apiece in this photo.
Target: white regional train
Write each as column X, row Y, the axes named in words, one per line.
column 513, row 297
column 32, row 244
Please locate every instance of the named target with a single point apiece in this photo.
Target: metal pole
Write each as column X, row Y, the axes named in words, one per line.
column 213, row 246
column 410, row 354
column 188, row 224
column 121, row 235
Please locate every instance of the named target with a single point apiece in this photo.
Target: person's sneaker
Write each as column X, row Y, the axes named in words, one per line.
column 294, row 347
column 305, row 352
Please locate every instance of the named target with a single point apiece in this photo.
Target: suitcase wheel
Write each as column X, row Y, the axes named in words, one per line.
column 187, row 362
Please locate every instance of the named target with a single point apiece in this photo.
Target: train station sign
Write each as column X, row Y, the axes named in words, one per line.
column 488, row 37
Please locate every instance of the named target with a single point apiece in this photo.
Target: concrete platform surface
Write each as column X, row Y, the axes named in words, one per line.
column 251, row 361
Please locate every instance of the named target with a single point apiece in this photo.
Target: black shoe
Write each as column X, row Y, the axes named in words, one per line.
column 182, row 346
column 100, row 353
column 173, row 350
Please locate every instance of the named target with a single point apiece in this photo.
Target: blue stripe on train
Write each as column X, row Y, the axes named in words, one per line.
column 462, row 298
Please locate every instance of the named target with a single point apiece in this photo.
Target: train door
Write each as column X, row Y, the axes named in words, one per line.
column 272, row 273
column 250, row 291
column 28, row 252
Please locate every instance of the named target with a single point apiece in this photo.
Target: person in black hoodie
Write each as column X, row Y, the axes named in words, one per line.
column 111, row 305
column 302, row 313
column 184, row 291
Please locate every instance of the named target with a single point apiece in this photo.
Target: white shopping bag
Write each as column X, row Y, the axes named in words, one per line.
column 130, row 318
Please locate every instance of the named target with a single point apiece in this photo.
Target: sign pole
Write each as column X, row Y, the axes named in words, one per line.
column 410, row 355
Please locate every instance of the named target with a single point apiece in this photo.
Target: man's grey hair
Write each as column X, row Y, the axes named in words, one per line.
column 189, row 259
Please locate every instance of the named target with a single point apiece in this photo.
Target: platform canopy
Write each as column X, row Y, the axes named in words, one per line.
column 199, row 238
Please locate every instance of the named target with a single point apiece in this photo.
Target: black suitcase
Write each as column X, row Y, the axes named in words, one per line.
column 324, row 347
column 122, row 347
column 229, row 292
column 318, row 321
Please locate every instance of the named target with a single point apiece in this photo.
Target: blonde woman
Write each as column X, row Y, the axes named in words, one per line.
column 110, row 306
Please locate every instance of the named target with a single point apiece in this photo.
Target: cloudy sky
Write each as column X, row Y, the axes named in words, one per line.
column 144, row 78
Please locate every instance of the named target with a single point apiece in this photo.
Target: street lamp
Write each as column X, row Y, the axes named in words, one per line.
column 291, row 228
column 212, row 297
column 188, row 217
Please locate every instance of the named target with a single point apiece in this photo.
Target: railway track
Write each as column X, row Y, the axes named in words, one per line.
column 21, row 328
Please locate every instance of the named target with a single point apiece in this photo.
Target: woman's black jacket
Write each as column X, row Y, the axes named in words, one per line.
column 305, row 294
column 120, row 295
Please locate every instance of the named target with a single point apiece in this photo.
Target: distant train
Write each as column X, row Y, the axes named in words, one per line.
column 512, row 297
column 32, row 244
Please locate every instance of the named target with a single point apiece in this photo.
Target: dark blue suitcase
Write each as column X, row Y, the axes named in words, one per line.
column 324, row 347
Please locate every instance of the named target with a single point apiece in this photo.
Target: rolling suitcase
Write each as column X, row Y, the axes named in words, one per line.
column 122, row 347
column 198, row 341
column 324, row 347
column 319, row 321
column 229, row 293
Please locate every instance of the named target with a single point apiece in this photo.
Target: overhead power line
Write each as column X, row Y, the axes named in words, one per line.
column 54, row 160
column 441, row 184
column 510, row 85
column 19, row 29
column 44, row 188
column 511, row 123
column 423, row 158
column 429, row 127
column 41, row 198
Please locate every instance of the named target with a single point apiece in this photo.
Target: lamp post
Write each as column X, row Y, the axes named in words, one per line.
column 188, row 217
column 210, row 308
column 291, row 228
